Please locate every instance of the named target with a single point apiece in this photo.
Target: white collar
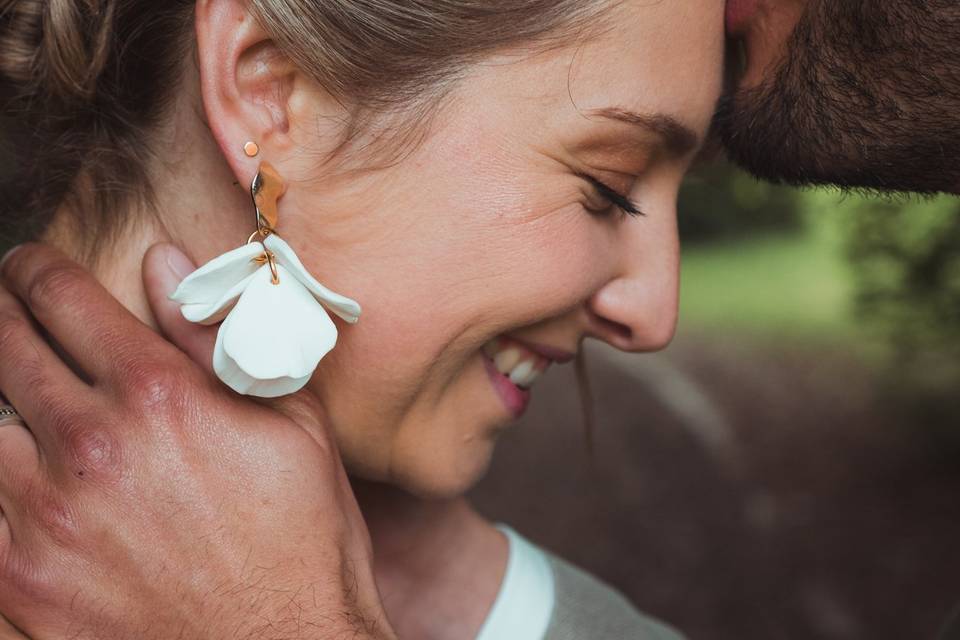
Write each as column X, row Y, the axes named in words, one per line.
column 524, row 604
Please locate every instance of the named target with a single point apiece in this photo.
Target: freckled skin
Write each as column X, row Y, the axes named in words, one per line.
column 482, row 231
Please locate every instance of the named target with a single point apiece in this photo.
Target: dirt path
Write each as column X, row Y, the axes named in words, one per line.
column 794, row 509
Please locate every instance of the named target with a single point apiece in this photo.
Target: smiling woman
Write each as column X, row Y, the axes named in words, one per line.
column 456, row 168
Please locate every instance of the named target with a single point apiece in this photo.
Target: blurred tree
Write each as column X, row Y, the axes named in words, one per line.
column 720, row 201
column 905, row 268
column 906, row 258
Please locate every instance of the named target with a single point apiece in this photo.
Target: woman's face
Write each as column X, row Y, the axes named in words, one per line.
column 490, row 245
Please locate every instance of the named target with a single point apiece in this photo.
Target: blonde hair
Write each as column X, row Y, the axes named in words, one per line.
column 85, row 82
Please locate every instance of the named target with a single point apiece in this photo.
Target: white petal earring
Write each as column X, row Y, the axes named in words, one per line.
column 275, row 328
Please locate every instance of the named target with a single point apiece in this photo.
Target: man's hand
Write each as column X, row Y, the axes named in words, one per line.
column 145, row 500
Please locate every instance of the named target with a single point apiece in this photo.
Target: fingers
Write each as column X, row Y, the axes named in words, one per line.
column 10, row 632
column 34, row 379
column 19, row 470
column 103, row 337
column 164, row 267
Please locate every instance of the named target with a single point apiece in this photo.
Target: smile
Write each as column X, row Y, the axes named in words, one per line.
column 515, row 361
column 514, row 366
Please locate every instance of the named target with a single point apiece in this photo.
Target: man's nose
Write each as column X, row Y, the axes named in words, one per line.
column 636, row 310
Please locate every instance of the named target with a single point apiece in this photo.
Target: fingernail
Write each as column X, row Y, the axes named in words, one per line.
column 9, row 253
column 179, row 263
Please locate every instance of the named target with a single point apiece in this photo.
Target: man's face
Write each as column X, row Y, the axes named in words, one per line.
column 859, row 93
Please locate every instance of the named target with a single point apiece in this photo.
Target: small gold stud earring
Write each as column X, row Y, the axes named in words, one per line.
column 251, row 149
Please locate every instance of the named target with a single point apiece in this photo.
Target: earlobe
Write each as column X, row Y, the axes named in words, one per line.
column 245, row 82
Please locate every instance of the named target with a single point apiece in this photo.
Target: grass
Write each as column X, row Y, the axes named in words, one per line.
column 779, row 286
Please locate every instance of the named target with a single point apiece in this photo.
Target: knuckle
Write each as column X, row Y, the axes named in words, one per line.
column 55, row 518
column 93, row 453
column 52, row 284
column 154, row 389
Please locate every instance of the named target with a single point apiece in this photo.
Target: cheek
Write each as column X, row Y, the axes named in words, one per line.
column 461, row 291
column 552, row 264
column 483, row 253
column 428, row 309
column 438, row 272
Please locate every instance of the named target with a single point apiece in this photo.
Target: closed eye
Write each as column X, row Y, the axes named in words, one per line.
column 618, row 200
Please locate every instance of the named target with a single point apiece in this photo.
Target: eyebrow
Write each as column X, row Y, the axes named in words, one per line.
column 679, row 138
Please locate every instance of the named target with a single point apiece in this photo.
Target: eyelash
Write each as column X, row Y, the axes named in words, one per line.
column 626, row 206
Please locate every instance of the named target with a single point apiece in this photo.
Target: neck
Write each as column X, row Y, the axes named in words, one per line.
column 199, row 206
column 119, row 267
column 438, row 563
column 431, row 556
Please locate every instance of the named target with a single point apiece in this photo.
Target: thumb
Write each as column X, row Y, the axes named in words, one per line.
column 164, row 267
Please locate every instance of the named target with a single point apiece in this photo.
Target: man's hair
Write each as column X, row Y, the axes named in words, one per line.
column 867, row 96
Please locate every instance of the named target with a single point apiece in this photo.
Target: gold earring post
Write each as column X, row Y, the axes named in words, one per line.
column 267, row 187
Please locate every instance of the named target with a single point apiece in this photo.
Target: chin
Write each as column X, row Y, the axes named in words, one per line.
column 443, row 477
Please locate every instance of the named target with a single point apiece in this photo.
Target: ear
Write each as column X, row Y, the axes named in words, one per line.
column 246, row 84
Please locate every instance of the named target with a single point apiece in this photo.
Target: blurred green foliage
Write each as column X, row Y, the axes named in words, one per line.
column 794, row 286
column 906, row 259
column 755, row 260
column 864, row 272
column 719, row 201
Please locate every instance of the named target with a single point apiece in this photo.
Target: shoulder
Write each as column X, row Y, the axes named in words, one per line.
column 585, row 607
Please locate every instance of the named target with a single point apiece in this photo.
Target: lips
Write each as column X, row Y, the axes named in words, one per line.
column 739, row 15
column 513, row 397
column 514, row 365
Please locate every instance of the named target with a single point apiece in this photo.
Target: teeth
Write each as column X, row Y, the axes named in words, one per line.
column 518, row 364
column 507, row 360
column 523, row 374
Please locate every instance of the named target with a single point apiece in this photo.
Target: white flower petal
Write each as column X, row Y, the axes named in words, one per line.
column 207, row 284
column 277, row 331
column 214, row 312
column 235, row 378
column 344, row 307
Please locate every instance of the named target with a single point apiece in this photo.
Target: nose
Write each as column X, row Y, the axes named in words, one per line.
column 636, row 309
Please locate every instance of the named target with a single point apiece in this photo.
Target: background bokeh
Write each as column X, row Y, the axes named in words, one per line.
column 790, row 467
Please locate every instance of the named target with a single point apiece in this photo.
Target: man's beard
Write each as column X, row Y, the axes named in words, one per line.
column 868, row 96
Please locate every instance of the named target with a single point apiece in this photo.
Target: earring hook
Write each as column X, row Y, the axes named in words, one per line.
column 267, row 187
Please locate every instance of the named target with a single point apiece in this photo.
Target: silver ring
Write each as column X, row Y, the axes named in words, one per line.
column 7, row 411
